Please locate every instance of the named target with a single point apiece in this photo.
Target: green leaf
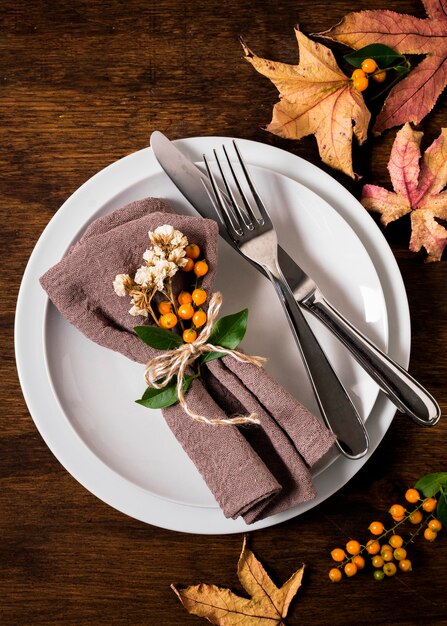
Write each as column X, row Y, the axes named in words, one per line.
column 384, row 55
column 430, row 484
column 228, row 332
column 441, row 509
column 401, row 69
column 211, row 356
column 159, row 338
column 167, row 396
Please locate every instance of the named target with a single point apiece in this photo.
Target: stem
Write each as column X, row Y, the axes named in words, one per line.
column 170, row 296
column 154, row 317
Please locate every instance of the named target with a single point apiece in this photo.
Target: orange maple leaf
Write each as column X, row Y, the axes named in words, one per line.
column 268, row 603
column 316, row 98
column 417, row 190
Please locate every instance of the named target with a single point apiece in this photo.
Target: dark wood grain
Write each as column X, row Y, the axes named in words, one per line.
column 84, row 83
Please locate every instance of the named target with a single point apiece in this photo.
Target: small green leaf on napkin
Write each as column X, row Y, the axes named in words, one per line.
column 158, row 338
column 167, row 396
column 228, row 332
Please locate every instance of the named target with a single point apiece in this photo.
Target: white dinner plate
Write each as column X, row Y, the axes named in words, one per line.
column 81, row 396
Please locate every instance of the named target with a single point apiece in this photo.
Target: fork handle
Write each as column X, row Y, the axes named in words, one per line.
column 403, row 390
column 337, row 410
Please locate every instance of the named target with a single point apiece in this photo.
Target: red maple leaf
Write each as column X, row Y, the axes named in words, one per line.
column 413, row 97
column 417, row 190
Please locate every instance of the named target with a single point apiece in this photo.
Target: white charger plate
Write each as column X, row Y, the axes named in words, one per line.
column 81, row 396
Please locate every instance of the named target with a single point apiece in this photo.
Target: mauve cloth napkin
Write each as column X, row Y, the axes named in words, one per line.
column 253, row 471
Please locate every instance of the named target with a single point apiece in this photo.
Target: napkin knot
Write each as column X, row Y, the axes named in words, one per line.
column 161, row 369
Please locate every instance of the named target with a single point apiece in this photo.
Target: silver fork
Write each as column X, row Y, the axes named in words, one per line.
column 256, row 239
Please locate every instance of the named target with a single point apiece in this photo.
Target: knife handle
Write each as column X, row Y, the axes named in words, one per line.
column 336, row 407
column 401, row 388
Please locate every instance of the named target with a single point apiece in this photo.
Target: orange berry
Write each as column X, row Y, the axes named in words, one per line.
column 168, row 320
column 350, row 569
column 379, row 77
column 186, row 311
column 400, row 518
column 429, row 505
column 400, row 554
column 376, row 528
column 189, row 265
column 416, row 517
column 199, row 318
column 387, row 555
column 429, row 534
column 358, row 73
column 200, row 268
column 338, row 554
column 435, row 524
column 192, row 251
column 335, row 575
column 412, row 495
column 199, row 296
column 189, row 335
column 397, row 510
column 359, row 561
column 165, row 307
column 377, row 561
column 360, row 83
column 369, row 66
column 184, row 297
column 396, row 541
column 405, row 565
column 353, row 547
column 373, row 546
column 389, row 569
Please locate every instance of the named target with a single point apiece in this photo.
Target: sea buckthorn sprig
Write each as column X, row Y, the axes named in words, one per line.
column 387, row 548
column 186, row 307
column 376, row 62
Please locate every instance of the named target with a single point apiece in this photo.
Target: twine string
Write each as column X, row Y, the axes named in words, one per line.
column 161, row 369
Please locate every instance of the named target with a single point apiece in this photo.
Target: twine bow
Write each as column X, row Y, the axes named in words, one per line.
column 174, row 362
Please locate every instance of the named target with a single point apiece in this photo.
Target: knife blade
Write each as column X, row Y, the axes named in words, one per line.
column 407, row 394
column 335, row 405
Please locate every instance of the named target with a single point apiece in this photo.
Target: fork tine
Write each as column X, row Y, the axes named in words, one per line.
column 259, row 203
column 247, row 214
column 221, row 205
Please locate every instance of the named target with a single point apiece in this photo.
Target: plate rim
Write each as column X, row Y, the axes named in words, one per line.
column 363, row 221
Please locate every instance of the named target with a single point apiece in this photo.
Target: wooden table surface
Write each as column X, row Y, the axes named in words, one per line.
column 84, row 83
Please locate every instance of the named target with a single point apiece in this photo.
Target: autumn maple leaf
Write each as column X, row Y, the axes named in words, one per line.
column 417, row 190
column 413, row 97
column 268, row 603
column 316, row 98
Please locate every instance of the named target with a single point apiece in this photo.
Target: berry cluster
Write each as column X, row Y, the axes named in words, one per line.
column 370, row 69
column 387, row 549
column 187, row 307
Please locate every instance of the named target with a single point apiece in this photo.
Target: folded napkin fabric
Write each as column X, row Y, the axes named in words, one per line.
column 253, row 471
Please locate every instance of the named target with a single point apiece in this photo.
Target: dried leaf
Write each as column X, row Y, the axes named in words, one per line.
column 417, row 190
column 316, row 98
column 268, row 604
column 413, row 97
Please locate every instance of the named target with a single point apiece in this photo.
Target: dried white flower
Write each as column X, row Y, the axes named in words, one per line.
column 162, row 270
column 121, row 284
column 150, row 256
column 145, row 276
column 177, row 256
column 165, row 239
column 135, row 310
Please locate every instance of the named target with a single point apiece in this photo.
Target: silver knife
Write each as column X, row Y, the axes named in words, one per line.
column 402, row 389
